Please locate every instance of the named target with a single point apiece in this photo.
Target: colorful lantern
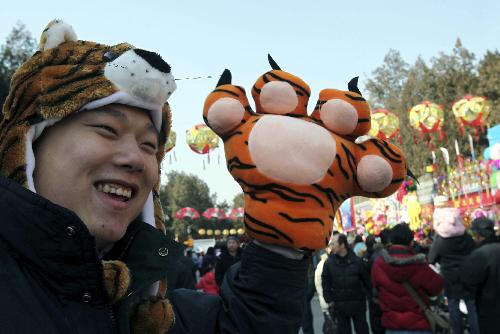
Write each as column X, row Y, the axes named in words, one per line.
column 385, row 125
column 240, row 231
column 187, row 212
column 170, row 144
column 210, row 232
column 201, row 231
column 236, row 213
column 201, row 139
column 217, row 232
column 427, row 117
column 225, row 232
column 214, row 213
column 471, row 111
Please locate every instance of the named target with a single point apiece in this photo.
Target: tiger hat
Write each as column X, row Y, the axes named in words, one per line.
column 66, row 76
column 296, row 169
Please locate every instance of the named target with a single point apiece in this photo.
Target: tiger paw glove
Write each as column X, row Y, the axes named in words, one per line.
column 295, row 170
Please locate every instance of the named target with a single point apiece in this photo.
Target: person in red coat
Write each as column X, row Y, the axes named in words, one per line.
column 398, row 264
column 208, row 284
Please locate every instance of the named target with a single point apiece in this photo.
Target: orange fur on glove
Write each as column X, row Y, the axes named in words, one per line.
column 296, row 169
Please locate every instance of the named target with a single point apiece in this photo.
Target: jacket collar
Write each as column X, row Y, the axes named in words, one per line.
column 57, row 247
column 401, row 255
column 51, row 241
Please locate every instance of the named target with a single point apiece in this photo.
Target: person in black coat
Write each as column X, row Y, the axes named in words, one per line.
column 228, row 257
column 481, row 271
column 345, row 284
column 450, row 247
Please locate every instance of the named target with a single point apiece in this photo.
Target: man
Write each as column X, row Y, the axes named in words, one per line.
column 481, row 271
column 451, row 246
column 186, row 272
column 396, row 265
column 346, row 284
column 327, row 324
column 227, row 258
column 81, row 249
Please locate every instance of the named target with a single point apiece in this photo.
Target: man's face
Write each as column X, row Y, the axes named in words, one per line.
column 232, row 246
column 335, row 247
column 102, row 165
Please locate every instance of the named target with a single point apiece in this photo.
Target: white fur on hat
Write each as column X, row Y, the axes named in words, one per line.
column 57, row 32
column 448, row 222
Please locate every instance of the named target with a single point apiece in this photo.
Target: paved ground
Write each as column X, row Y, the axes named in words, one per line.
column 318, row 316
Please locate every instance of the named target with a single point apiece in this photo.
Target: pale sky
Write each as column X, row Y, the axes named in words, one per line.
column 326, row 43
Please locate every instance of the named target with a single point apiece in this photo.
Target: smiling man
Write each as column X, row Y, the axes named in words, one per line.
column 115, row 147
column 82, row 242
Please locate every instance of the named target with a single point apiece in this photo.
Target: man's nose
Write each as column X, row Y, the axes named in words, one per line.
column 129, row 155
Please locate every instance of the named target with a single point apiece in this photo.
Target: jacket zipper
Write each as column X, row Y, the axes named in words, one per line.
column 113, row 320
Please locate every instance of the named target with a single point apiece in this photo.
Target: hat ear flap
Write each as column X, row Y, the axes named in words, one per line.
column 56, row 33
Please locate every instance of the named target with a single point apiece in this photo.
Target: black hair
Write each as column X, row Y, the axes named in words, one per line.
column 335, row 233
column 210, row 251
column 385, row 237
column 401, row 235
column 342, row 240
column 358, row 238
column 370, row 241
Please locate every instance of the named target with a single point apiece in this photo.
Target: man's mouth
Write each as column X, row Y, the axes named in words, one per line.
column 116, row 191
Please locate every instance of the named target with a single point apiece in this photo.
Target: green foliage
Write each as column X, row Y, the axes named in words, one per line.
column 238, row 201
column 18, row 47
column 180, row 191
column 489, row 82
column 397, row 86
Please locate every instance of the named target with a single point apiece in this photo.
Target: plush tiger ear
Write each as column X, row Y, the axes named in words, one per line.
column 56, row 32
column 225, row 78
column 353, row 85
column 273, row 64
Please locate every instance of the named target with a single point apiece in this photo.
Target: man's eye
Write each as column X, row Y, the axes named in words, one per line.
column 151, row 146
column 107, row 128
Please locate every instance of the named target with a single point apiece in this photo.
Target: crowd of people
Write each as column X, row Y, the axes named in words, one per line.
column 205, row 271
column 459, row 265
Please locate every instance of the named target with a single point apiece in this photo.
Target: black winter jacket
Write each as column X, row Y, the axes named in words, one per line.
column 450, row 253
column 51, row 277
column 224, row 262
column 481, row 270
column 345, row 282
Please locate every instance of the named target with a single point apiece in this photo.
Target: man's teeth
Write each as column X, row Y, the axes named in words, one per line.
column 114, row 189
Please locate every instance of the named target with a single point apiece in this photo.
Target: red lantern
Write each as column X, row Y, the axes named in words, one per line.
column 427, row 118
column 472, row 111
column 384, row 124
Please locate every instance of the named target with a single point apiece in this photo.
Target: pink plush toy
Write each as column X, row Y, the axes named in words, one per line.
column 448, row 222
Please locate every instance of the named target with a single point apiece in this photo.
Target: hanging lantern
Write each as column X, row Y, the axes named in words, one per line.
column 472, row 111
column 217, row 232
column 385, row 125
column 187, row 212
column 236, row 213
column 427, row 118
column 170, row 144
column 210, row 232
column 225, row 232
column 201, row 139
column 201, row 231
column 240, row 231
column 214, row 213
